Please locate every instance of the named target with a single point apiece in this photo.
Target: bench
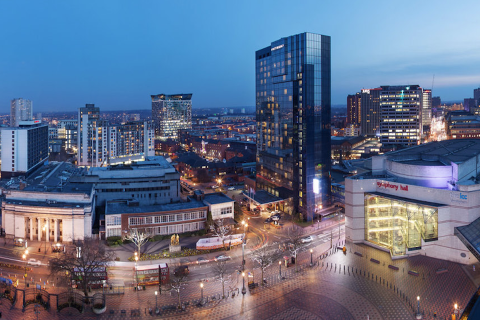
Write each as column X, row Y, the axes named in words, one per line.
column 375, row 261
column 359, row 254
column 441, row 270
column 393, row 267
column 413, row 273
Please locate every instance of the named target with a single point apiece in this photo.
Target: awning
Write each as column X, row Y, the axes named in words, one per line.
column 263, row 197
column 470, row 237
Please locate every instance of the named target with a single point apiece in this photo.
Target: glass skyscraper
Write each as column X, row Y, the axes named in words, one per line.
column 293, row 88
column 171, row 113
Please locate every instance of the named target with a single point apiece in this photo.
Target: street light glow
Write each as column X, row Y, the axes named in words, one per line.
column 201, row 285
column 418, row 298
column 156, row 292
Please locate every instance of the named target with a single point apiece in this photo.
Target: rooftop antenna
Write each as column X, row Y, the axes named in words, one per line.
column 433, row 80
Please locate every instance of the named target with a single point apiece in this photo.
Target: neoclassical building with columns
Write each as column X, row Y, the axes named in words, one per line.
column 47, row 207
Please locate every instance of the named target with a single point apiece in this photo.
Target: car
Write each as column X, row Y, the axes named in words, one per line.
column 222, row 257
column 268, row 220
column 34, row 262
column 201, row 260
column 275, row 218
column 231, row 188
column 307, row 239
column 214, row 187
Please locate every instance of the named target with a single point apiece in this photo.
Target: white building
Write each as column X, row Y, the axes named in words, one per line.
column 20, row 110
column 414, row 200
column 27, row 150
column 47, row 207
column 219, row 205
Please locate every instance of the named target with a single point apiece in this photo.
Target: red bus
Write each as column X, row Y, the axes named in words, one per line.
column 147, row 275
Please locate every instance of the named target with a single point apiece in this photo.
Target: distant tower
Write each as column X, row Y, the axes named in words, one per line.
column 171, row 113
column 91, row 137
column 20, row 110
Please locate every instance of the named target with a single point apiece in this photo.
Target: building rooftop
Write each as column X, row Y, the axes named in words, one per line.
column 150, row 167
column 124, row 206
column 217, row 198
column 444, row 152
column 51, row 177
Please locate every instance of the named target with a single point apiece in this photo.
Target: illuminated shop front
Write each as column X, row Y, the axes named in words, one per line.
column 397, row 224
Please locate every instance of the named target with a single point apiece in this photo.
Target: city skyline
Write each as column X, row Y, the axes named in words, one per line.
column 117, row 54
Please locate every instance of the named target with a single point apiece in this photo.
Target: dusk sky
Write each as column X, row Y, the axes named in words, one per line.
column 63, row 54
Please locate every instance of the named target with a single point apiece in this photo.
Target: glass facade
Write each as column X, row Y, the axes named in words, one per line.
column 399, row 225
column 171, row 113
column 293, row 120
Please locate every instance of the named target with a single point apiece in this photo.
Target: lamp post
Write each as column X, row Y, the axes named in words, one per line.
column 419, row 316
column 456, row 311
column 244, row 290
column 201, row 289
column 136, row 274
column 25, row 275
column 311, row 257
column 280, row 269
column 156, row 301
column 243, row 245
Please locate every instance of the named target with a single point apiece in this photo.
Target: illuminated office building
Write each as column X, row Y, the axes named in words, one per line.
column 171, row 113
column 370, row 111
column 20, row 110
column 401, row 115
column 426, row 108
column 293, row 93
column 354, row 105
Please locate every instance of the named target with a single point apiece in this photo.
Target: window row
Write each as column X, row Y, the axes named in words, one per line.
column 135, row 221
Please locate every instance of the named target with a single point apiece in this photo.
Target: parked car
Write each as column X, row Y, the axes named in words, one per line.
column 34, row 262
column 201, row 260
column 307, row 239
column 215, row 187
column 222, row 257
column 231, row 188
column 275, row 217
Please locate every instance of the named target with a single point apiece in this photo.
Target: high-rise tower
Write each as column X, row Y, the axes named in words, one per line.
column 293, row 106
column 171, row 113
column 20, row 110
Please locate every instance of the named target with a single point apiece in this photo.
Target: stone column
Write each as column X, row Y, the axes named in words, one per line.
column 32, row 220
column 39, row 230
column 55, row 231
column 47, row 230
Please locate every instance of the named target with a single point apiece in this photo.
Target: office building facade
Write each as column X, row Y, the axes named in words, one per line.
column 27, row 150
column 20, row 110
column 293, row 106
column 354, row 105
column 401, row 116
column 426, row 109
column 171, row 113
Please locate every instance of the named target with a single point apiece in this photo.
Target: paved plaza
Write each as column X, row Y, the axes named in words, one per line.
column 351, row 286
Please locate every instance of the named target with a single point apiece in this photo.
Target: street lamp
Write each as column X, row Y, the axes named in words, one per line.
column 419, row 316
column 201, row 288
column 280, row 269
column 25, row 275
column 244, row 290
column 156, row 301
column 311, row 257
column 456, row 311
column 243, row 245
column 136, row 273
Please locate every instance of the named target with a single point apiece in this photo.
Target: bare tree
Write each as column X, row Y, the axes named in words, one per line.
column 85, row 262
column 178, row 281
column 265, row 256
column 139, row 238
column 220, row 271
column 219, row 228
column 295, row 244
